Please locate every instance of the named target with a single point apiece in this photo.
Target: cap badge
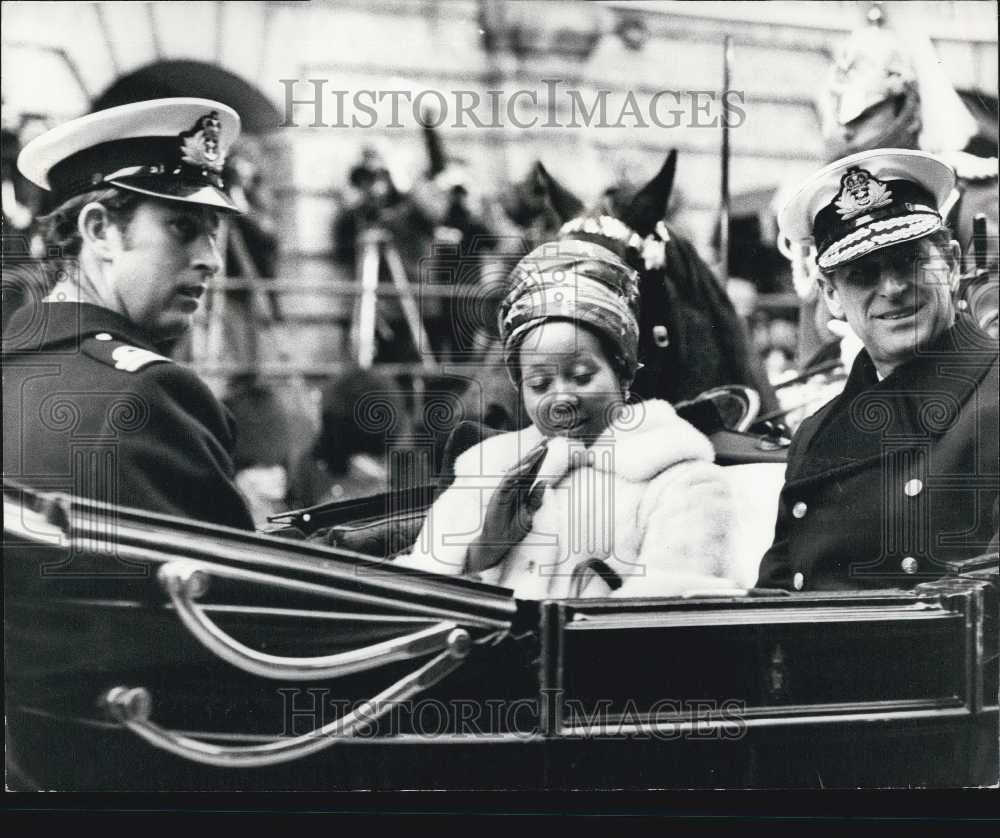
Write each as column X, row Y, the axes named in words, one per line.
column 860, row 192
column 201, row 146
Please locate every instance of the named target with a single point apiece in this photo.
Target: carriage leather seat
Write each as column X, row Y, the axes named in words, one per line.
column 386, row 535
column 383, row 536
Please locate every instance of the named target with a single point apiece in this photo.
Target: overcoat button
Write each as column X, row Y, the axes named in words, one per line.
column 798, row 580
column 103, row 336
column 913, row 487
column 799, row 510
column 909, row 565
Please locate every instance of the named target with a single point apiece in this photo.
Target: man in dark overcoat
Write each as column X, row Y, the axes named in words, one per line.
column 899, row 473
column 93, row 405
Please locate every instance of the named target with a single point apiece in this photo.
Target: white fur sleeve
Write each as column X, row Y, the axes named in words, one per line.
column 452, row 523
column 686, row 520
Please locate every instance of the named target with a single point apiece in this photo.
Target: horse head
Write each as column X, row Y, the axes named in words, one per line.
column 691, row 338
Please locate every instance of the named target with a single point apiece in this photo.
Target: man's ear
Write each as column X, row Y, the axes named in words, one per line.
column 94, row 226
column 832, row 297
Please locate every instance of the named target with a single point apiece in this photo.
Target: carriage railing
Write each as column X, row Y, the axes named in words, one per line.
column 186, row 557
column 71, row 523
column 779, row 658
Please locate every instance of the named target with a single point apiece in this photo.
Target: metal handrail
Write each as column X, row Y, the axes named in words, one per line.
column 154, row 539
column 185, row 581
column 132, row 708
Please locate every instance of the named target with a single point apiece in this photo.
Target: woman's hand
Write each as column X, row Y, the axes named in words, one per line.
column 509, row 513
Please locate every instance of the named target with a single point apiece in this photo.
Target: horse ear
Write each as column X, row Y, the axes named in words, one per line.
column 536, row 180
column 650, row 204
column 564, row 202
column 436, row 158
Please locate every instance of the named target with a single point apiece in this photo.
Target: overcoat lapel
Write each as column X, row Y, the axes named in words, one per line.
column 916, row 404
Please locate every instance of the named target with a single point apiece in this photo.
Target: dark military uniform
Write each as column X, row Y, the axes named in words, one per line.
column 891, row 478
column 91, row 408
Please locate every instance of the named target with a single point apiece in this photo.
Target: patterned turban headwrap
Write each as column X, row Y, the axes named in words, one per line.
column 578, row 281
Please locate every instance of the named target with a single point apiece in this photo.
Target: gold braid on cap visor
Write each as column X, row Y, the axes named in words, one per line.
column 877, row 235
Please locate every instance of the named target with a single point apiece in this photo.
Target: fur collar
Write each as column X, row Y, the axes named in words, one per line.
column 647, row 440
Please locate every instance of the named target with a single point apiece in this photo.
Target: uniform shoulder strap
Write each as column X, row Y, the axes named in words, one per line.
column 121, row 355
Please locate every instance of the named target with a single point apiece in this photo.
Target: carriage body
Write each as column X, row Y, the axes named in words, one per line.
column 247, row 641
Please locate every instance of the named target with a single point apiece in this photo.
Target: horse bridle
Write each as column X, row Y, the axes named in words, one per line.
column 652, row 249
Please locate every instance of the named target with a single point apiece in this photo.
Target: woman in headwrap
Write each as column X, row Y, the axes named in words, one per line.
column 597, row 496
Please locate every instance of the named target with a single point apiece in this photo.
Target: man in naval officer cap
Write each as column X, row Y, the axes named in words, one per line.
column 92, row 406
column 899, row 473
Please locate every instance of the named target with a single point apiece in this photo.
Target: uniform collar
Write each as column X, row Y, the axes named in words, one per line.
column 917, row 403
column 62, row 326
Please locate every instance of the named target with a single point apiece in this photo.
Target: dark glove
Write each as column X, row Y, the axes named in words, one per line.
column 509, row 513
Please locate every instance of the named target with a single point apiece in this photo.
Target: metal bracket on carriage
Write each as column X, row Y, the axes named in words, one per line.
column 731, row 407
column 132, row 707
column 775, row 437
column 186, row 581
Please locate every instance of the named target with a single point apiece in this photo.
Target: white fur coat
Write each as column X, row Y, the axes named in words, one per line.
column 646, row 498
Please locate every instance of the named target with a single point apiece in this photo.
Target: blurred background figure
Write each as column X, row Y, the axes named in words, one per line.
column 372, row 193
column 22, row 200
column 774, row 339
column 442, row 238
column 252, row 254
column 258, row 225
column 363, row 416
column 264, row 447
column 24, row 279
column 17, row 214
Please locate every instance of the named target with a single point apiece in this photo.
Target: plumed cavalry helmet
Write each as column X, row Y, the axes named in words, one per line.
column 866, row 202
column 171, row 149
column 868, row 68
column 878, row 65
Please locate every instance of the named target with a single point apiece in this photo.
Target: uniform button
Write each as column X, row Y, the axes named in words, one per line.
column 798, row 580
column 531, row 565
column 913, row 487
column 799, row 510
column 909, row 565
column 103, row 336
